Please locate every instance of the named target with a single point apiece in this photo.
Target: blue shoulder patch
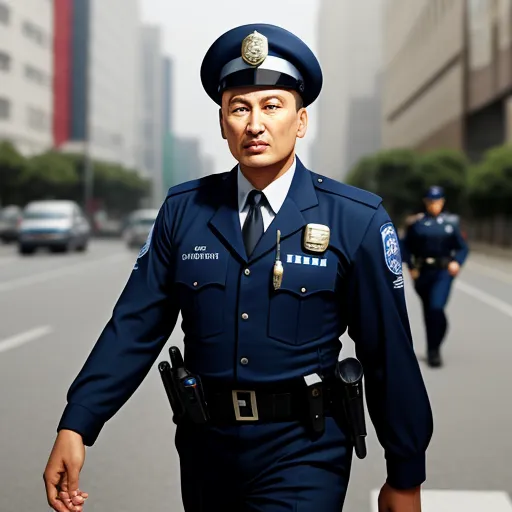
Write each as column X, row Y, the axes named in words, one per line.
column 145, row 248
column 348, row 191
column 391, row 248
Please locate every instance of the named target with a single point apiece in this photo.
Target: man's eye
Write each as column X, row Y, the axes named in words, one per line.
column 239, row 109
column 272, row 107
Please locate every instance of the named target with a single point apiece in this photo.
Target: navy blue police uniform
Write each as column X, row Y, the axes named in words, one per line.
column 240, row 333
column 429, row 245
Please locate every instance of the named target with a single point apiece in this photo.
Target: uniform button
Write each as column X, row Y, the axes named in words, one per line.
column 195, row 283
column 245, row 316
column 244, row 360
column 320, row 180
column 303, row 290
column 247, row 272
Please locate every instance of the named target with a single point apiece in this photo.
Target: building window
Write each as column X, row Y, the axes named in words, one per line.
column 5, row 14
column 5, row 108
column 37, row 119
column 35, row 33
column 5, row 61
column 37, row 76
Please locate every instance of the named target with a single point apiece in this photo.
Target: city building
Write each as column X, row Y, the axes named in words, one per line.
column 167, row 126
column 349, row 51
column 152, row 120
column 26, row 74
column 188, row 163
column 423, row 94
column 97, row 69
column 448, row 74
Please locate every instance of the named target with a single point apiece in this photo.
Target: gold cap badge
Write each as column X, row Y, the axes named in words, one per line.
column 255, row 48
column 316, row 237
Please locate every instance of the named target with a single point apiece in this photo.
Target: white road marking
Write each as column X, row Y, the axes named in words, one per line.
column 489, row 271
column 459, row 501
column 486, row 298
column 24, row 337
column 58, row 272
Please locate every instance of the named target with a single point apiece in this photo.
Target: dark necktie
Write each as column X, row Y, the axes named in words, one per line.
column 253, row 225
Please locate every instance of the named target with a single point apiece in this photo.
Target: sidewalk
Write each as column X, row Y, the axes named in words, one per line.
column 491, row 250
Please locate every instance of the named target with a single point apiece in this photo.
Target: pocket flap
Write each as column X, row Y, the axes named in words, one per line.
column 304, row 281
column 202, row 273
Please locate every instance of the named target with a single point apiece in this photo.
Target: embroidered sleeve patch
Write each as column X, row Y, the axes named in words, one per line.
column 391, row 247
column 145, row 247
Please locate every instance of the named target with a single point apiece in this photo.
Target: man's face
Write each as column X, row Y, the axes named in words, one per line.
column 434, row 206
column 261, row 125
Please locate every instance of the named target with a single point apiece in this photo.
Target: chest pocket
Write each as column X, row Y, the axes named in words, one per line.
column 304, row 306
column 201, row 287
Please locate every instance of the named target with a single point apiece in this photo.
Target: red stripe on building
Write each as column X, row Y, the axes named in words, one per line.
column 62, row 70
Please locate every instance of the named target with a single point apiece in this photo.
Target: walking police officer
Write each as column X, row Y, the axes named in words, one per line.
column 434, row 250
column 269, row 264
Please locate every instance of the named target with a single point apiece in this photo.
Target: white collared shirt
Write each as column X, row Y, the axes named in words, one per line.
column 275, row 193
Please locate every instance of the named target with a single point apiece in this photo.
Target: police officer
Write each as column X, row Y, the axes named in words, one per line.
column 212, row 255
column 434, row 250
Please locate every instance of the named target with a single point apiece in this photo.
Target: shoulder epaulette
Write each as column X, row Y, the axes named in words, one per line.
column 191, row 185
column 341, row 189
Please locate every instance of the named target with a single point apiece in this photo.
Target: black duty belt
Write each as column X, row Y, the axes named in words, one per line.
column 240, row 405
column 432, row 262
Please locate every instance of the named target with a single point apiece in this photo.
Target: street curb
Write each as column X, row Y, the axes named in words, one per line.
column 491, row 250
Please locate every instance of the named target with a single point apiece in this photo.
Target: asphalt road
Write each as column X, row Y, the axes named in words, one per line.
column 53, row 307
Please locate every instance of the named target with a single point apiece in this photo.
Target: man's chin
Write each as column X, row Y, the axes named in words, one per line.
column 258, row 160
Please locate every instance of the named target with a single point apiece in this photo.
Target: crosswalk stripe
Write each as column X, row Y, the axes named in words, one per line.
column 458, row 501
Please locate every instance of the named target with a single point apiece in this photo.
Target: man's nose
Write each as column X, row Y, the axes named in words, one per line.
column 255, row 125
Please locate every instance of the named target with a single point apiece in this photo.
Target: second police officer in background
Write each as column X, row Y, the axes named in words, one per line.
column 213, row 254
column 434, row 250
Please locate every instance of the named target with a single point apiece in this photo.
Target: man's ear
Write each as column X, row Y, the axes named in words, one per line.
column 220, row 123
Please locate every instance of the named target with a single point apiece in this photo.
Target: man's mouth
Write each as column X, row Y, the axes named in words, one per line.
column 256, row 144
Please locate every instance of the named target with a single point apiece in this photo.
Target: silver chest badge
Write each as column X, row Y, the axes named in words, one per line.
column 316, row 237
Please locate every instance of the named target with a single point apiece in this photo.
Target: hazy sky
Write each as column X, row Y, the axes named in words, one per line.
column 189, row 28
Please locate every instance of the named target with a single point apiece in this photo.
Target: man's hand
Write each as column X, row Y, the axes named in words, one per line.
column 415, row 273
column 453, row 268
column 62, row 473
column 394, row 500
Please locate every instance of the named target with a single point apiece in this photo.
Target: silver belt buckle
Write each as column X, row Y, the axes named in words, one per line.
column 237, row 403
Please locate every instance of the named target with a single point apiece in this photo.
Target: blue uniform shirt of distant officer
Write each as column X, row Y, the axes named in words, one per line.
column 434, row 250
column 240, row 331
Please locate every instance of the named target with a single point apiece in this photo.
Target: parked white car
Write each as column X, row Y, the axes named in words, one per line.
column 138, row 225
column 58, row 225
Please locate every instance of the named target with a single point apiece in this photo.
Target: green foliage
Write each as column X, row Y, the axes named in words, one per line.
column 401, row 176
column 12, row 167
column 490, row 184
column 55, row 175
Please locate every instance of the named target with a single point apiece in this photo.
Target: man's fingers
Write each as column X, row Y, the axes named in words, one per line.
column 52, row 495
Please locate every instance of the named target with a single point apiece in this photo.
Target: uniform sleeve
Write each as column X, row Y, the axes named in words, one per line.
column 460, row 245
column 378, row 323
column 142, row 321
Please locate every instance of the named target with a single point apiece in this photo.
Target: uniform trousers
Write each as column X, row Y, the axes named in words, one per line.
column 271, row 467
column 433, row 287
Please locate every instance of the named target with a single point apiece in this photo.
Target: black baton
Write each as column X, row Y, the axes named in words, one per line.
column 165, row 371
column 350, row 373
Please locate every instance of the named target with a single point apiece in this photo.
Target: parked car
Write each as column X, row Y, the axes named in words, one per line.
column 137, row 227
column 55, row 224
column 10, row 217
